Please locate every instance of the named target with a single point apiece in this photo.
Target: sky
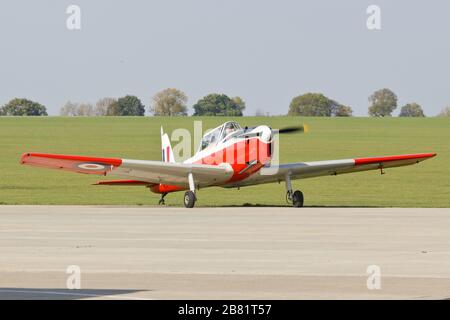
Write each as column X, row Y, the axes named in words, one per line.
column 266, row 52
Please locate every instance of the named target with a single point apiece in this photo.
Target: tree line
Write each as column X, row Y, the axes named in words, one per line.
column 173, row 102
column 381, row 104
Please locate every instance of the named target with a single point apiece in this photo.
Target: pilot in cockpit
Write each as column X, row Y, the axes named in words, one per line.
column 229, row 128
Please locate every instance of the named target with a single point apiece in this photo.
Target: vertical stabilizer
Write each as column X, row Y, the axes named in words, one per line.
column 167, row 153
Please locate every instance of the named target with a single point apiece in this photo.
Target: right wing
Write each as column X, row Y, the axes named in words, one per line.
column 303, row 170
column 152, row 172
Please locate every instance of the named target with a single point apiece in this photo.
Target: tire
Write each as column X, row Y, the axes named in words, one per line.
column 297, row 199
column 189, row 199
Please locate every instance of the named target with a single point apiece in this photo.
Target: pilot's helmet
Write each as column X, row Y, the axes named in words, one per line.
column 229, row 128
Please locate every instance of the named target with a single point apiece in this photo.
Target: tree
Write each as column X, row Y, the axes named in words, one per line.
column 127, row 106
column 218, row 105
column 102, row 106
column 411, row 110
column 239, row 101
column 169, row 102
column 85, row 109
column 77, row 109
column 445, row 112
column 342, row 111
column 259, row 113
column 311, row 105
column 68, row 109
column 383, row 102
column 23, row 107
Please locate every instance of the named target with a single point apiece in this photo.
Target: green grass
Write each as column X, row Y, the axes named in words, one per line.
column 423, row 185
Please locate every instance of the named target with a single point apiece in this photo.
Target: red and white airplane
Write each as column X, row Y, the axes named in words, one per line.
column 228, row 156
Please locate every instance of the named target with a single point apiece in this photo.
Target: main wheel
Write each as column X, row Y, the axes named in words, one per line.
column 297, row 199
column 189, row 199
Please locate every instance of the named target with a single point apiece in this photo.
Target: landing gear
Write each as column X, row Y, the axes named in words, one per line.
column 189, row 196
column 161, row 201
column 296, row 197
column 189, row 199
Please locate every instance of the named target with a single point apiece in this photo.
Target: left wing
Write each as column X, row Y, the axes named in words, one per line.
column 302, row 170
column 139, row 171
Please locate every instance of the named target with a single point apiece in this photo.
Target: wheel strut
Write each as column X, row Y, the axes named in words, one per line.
column 189, row 196
column 161, row 201
column 295, row 198
column 289, row 192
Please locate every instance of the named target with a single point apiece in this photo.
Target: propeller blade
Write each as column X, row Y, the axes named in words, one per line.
column 301, row 128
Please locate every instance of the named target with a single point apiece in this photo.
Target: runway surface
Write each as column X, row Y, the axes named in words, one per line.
column 229, row 253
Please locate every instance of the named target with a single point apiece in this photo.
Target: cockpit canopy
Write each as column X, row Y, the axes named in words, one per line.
column 220, row 133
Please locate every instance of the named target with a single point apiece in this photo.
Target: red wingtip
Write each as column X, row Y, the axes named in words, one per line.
column 112, row 161
column 423, row 156
column 23, row 157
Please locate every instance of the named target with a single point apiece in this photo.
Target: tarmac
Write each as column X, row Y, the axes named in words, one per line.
column 223, row 253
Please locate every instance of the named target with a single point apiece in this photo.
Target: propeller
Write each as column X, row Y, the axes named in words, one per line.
column 301, row 128
column 292, row 129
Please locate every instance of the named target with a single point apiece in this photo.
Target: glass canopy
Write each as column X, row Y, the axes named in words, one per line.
column 213, row 136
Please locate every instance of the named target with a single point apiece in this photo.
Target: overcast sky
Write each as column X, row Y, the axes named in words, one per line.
column 264, row 51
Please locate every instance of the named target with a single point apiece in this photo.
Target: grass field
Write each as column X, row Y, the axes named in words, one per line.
column 423, row 185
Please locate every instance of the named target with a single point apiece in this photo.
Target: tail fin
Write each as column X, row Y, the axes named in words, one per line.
column 167, row 153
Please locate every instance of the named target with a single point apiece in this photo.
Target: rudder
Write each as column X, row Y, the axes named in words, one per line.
column 167, row 153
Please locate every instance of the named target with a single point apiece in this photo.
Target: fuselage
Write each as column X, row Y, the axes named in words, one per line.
column 245, row 151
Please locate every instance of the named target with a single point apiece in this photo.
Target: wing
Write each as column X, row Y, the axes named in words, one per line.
column 150, row 172
column 302, row 170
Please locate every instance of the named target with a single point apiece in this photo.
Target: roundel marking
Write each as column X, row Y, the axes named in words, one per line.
column 91, row 166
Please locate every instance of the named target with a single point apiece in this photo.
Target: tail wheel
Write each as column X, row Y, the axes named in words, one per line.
column 189, row 199
column 297, row 199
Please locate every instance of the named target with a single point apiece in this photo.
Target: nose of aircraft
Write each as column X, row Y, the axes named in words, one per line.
column 265, row 133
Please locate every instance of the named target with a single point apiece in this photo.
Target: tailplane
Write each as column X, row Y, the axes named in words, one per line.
column 167, row 153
